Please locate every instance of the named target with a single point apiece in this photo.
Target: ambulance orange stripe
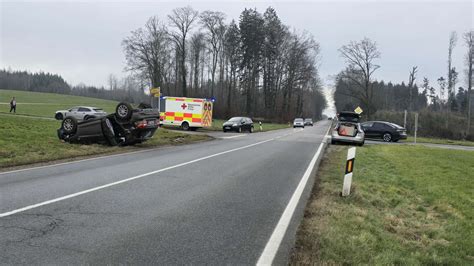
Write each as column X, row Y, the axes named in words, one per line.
column 198, row 101
column 178, row 119
column 196, row 120
column 188, row 115
column 169, row 113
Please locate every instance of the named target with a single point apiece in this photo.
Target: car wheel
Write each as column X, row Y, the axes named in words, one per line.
column 239, row 130
column 59, row 116
column 224, row 130
column 123, row 111
column 69, row 125
column 387, row 137
column 251, row 130
column 109, row 132
column 185, row 126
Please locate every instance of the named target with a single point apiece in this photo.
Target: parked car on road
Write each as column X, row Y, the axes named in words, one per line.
column 81, row 113
column 348, row 129
column 298, row 122
column 308, row 122
column 384, row 130
column 238, row 124
column 127, row 126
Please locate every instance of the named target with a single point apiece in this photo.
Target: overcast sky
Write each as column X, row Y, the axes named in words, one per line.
column 81, row 40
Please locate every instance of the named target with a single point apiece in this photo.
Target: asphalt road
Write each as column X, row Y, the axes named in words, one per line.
column 215, row 202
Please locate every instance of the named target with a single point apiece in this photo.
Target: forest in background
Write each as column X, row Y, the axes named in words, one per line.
column 256, row 66
column 444, row 108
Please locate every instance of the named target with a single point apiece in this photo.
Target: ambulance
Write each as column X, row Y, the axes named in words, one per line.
column 187, row 113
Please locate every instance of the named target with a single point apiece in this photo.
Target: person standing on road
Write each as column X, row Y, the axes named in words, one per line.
column 13, row 105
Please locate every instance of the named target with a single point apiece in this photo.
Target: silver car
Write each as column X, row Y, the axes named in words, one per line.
column 298, row 122
column 348, row 129
column 81, row 113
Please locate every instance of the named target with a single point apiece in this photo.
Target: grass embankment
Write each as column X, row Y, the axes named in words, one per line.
column 28, row 140
column 440, row 141
column 46, row 104
column 409, row 205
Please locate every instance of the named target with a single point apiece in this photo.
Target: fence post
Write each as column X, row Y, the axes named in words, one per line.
column 416, row 125
column 346, row 187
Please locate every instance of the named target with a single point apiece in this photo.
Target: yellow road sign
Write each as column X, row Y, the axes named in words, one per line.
column 155, row 90
column 358, row 110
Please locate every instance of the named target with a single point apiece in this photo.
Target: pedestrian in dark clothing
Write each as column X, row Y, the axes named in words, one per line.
column 13, row 105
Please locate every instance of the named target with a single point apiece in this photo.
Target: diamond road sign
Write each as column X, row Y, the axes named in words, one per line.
column 358, row 110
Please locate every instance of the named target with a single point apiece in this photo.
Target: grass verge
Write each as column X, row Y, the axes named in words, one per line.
column 440, row 141
column 27, row 140
column 409, row 205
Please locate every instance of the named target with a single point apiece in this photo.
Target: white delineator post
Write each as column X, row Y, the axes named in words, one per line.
column 346, row 187
column 405, row 120
column 260, row 123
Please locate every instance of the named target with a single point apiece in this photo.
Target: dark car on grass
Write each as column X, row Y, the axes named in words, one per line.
column 238, row 124
column 127, row 126
column 386, row 131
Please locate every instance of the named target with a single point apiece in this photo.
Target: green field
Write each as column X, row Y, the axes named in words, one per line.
column 409, row 205
column 46, row 104
column 30, row 140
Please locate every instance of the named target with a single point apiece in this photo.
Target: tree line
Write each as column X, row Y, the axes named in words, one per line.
column 126, row 89
column 447, row 110
column 256, row 66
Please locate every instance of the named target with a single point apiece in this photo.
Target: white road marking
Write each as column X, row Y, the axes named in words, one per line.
column 273, row 244
column 232, row 137
column 5, row 214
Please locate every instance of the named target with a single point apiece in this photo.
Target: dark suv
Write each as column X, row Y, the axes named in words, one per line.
column 238, row 124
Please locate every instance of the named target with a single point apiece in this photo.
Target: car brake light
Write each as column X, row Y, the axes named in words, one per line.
column 141, row 124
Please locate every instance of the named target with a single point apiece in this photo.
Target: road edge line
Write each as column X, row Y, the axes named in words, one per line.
column 271, row 248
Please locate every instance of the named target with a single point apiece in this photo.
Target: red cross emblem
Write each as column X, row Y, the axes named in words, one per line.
column 184, row 106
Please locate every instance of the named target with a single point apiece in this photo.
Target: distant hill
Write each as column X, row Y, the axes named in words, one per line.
column 46, row 104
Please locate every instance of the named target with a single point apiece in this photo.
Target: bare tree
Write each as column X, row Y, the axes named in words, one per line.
column 360, row 57
column 411, row 83
column 452, row 43
column 113, row 82
column 182, row 20
column 146, row 51
column 197, row 48
column 213, row 22
column 469, row 41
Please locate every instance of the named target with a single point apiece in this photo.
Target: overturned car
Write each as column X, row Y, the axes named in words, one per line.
column 127, row 126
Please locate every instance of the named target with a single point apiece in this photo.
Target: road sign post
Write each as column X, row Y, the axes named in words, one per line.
column 346, row 187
